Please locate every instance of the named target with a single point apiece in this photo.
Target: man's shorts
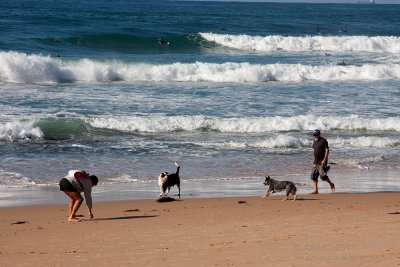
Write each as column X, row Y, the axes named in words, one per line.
column 319, row 171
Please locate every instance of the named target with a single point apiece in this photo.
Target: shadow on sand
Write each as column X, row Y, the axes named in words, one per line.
column 291, row 199
column 125, row 218
column 166, row 199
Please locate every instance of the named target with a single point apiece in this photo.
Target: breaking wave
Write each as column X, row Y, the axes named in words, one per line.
column 12, row 179
column 378, row 44
column 19, row 131
column 159, row 124
column 67, row 128
column 23, row 68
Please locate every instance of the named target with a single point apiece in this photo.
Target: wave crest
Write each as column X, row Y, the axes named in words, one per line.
column 157, row 124
column 19, row 131
column 22, row 68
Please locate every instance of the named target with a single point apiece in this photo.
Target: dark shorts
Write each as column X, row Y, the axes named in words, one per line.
column 319, row 171
column 66, row 185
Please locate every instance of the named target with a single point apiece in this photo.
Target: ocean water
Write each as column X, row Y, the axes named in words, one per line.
column 232, row 97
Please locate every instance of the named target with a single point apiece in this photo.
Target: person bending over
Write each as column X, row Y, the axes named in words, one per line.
column 72, row 185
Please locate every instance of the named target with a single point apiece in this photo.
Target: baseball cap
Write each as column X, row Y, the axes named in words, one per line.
column 316, row 132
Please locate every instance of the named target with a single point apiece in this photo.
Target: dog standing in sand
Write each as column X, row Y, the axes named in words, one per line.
column 167, row 180
column 276, row 186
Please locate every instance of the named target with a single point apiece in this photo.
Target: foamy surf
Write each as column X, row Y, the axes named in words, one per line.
column 59, row 129
column 19, row 131
column 159, row 124
column 13, row 179
column 273, row 43
column 23, row 68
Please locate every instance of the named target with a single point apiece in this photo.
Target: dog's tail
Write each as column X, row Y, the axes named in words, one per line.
column 177, row 168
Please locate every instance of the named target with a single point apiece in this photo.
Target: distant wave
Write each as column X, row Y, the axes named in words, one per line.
column 380, row 44
column 130, row 43
column 23, row 68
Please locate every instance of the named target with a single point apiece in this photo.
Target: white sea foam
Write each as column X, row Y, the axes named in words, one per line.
column 285, row 141
column 158, row 123
column 281, row 141
column 17, row 130
column 365, row 163
column 366, row 141
column 81, row 146
column 22, row 68
column 12, row 179
column 118, row 178
column 380, row 44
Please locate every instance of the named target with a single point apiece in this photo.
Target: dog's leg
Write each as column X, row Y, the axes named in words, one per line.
column 288, row 190
column 294, row 191
column 179, row 190
column 268, row 193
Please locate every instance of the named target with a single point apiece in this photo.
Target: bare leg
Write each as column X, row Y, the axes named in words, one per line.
column 70, row 206
column 315, row 184
column 331, row 185
column 75, row 202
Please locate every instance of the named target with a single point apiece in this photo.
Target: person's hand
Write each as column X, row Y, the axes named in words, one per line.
column 90, row 215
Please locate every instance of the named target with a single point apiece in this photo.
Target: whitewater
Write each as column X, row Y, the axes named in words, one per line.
column 91, row 88
column 22, row 68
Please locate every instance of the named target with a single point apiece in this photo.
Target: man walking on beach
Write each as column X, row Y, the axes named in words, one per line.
column 320, row 164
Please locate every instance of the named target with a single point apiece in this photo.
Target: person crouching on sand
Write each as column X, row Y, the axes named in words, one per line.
column 72, row 185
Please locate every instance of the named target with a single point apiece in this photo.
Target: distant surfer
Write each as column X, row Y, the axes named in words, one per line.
column 163, row 42
column 223, row 29
column 320, row 32
column 342, row 63
column 328, row 55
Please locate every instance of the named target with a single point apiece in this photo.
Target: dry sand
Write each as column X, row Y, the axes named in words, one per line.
column 317, row 230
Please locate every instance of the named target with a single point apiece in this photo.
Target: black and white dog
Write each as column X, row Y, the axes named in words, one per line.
column 166, row 181
column 276, row 186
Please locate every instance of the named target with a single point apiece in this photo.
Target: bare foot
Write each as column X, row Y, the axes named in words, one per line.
column 314, row 193
column 74, row 219
column 333, row 188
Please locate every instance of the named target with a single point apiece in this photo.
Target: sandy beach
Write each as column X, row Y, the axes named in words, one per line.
column 317, row 230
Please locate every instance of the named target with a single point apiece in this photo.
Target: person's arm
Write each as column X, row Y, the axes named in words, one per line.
column 325, row 160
